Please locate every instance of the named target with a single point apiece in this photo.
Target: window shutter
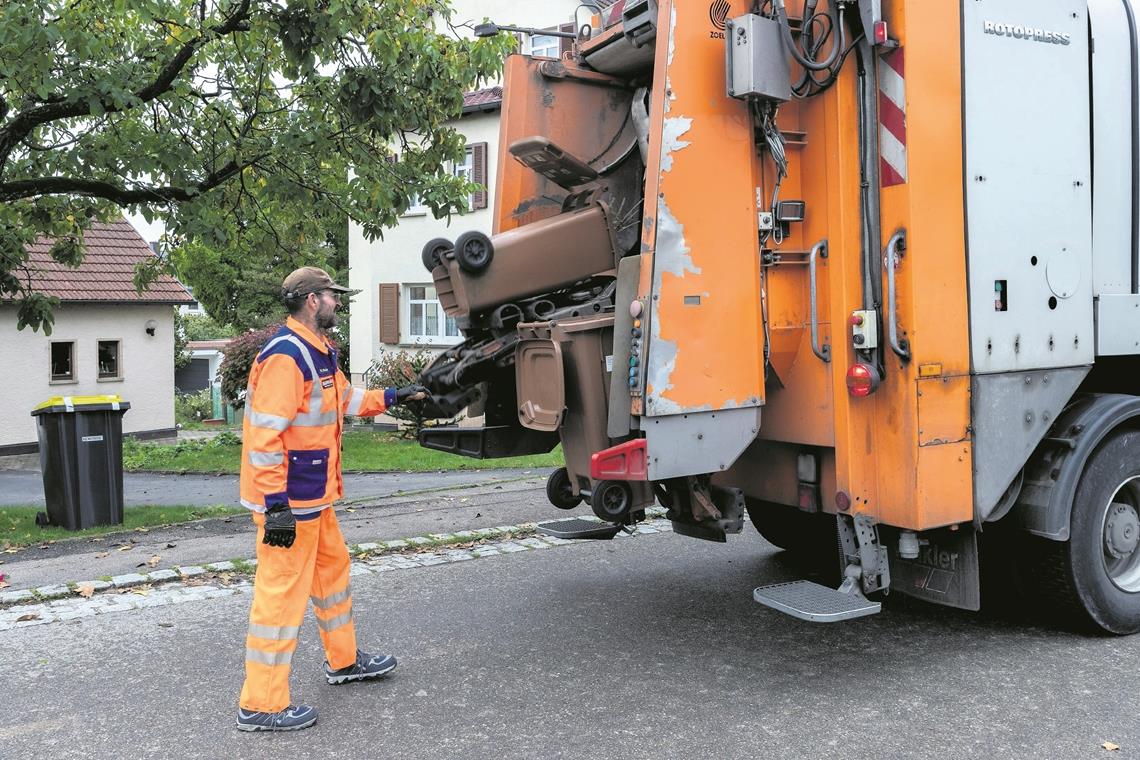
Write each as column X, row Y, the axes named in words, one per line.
column 479, row 175
column 389, row 312
column 565, row 44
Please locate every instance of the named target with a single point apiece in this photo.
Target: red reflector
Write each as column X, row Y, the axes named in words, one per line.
column 626, row 461
column 880, row 32
column 862, row 380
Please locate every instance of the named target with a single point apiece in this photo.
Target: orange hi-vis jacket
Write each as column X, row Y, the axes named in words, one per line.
column 294, row 405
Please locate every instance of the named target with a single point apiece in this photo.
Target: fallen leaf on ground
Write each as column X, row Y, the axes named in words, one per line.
column 101, row 555
column 349, row 509
column 171, row 546
column 1110, row 746
column 143, row 591
column 141, row 530
column 26, row 618
column 3, row 583
column 166, row 625
column 85, row 590
column 464, row 501
column 154, row 560
column 124, row 548
column 134, row 540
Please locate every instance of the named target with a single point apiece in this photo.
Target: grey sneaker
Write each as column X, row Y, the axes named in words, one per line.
column 292, row 718
column 366, row 666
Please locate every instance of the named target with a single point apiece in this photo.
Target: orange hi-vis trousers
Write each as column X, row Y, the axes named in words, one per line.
column 314, row 567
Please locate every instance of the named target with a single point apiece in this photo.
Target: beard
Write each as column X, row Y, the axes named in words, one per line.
column 326, row 320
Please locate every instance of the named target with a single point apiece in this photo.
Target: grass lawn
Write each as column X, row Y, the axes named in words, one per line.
column 18, row 524
column 363, row 451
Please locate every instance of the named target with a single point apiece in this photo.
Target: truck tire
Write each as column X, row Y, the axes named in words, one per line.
column 560, row 491
column 432, row 254
column 474, row 252
column 1095, row 575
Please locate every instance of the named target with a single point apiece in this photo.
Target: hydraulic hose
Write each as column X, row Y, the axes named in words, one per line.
column 838, row 43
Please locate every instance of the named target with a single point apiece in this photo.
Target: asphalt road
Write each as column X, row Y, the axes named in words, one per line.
column 26, row 487
column 647, row 647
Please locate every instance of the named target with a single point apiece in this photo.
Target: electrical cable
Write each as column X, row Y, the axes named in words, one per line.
column 805, row 58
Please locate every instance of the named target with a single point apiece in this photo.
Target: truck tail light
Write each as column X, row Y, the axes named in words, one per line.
column 862, row 380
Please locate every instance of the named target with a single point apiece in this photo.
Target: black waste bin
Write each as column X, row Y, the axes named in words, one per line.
column 81, row 454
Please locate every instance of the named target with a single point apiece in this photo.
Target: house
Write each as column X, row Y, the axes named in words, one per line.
column 108, row 339
column 205, row 359
column 398, row 308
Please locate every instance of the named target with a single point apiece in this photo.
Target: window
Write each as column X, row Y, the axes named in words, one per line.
column 466, row 170
column 109, row 360
column 426, row 319
column 545, row 45
column 62, row 361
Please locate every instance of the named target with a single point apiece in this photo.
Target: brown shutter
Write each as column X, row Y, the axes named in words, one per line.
column 389, row 312
column 479, row 174
column 566, row 44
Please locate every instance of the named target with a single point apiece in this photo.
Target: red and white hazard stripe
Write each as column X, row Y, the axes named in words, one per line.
column 892, row 119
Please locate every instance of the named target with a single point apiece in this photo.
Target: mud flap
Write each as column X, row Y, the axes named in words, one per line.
column 946, row 571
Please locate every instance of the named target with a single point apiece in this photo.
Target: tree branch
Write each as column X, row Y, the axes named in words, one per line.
column 29, row 188
column 26, row 121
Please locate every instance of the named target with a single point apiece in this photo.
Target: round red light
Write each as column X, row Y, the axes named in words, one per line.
column 861, row 380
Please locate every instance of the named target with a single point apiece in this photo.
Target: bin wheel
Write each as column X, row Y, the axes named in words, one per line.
column 432, row 255
column 560, row 491
column 41, row 519
column 611, row 500
column 474, row 252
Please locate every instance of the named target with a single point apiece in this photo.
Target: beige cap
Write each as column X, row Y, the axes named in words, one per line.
column 309, row 280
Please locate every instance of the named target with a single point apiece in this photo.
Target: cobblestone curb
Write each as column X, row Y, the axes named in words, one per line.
column 63, row 602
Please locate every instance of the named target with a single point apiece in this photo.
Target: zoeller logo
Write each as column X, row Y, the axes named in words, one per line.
column 718, row 15
column 1028, row 33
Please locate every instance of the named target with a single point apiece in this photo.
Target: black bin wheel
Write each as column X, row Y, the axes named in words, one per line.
column 474, row 251
column 41, row 519
column 432, row 255
column 611, row 500
column 560, row 491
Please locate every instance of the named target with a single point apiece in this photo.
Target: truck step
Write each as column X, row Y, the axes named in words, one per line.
column 815, row 603
column 577, row 528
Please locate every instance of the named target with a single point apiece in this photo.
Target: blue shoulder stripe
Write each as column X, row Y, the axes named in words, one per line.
column 287, row 348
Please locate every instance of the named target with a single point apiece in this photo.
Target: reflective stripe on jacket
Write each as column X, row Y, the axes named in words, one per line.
column 294, row 405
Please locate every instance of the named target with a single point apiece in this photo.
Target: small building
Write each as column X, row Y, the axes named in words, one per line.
column 108, row 339
column 205, row 359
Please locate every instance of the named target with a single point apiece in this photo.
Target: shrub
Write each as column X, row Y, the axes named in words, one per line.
column 239, row 358
column 394, row 369
column 193, row 407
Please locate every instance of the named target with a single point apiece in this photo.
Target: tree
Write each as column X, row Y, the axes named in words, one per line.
column 246, row 124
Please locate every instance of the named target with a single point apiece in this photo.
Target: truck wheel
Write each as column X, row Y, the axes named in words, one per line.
column 474, row 252
column 1097, row 573
column 611, row 499
column 432, row 254
column 560, row 491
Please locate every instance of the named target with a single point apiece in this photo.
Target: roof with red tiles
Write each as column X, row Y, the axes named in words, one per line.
column 107, row 271
column 487, row 99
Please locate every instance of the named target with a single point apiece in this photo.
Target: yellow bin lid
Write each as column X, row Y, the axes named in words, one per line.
column 57, row 404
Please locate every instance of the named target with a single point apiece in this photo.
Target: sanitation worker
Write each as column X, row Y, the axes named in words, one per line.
column 290, row 478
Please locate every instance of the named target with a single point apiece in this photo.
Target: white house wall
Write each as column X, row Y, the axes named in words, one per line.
column 146, row 365
column 396, row 258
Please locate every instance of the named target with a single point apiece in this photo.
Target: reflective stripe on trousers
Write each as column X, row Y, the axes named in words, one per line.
column 315, row 567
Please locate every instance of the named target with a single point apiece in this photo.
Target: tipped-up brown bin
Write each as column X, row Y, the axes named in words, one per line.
column 528, row 261
column 562, row 377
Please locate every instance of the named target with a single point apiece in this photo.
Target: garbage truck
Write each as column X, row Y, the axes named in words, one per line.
column 861, row 272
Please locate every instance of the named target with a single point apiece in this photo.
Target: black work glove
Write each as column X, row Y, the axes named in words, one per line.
column 411, row 393
column 280, row 527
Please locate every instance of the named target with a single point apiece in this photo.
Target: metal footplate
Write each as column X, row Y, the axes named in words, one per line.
column 577, row 528
column 815, row 603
